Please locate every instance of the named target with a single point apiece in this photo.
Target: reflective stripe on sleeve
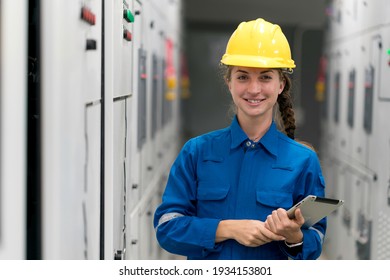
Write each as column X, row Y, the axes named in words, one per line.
column 319, row 234
column 167, row 217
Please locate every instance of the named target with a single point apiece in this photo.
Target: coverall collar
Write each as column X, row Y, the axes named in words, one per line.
column 269, row 141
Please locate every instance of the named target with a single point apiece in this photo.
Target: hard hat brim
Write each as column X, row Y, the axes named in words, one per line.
column 256, row 61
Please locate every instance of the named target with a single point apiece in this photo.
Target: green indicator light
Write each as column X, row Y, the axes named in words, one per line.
column 388, row 51
column 128, row 16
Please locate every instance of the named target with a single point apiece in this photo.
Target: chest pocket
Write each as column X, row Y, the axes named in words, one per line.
column 274, row 200
column 212, row 199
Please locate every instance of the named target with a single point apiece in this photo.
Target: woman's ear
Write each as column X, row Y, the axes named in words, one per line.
column 227, row 81
column 282, row 85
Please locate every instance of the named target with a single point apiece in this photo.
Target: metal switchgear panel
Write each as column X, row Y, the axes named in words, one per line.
column 71, row 93
column 13, row 127
column 368, row 98
column 351, row 97
column 155, row 95
column 142, row 113
column 336, row 108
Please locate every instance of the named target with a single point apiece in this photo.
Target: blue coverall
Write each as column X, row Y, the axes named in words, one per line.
column 224, row 175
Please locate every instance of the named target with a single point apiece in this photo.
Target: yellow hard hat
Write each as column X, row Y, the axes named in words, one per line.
column 258, row 43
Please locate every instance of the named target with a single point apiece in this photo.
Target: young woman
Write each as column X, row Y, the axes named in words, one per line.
column 228, row 190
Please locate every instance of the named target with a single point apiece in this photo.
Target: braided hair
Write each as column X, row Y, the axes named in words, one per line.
column 286, row 107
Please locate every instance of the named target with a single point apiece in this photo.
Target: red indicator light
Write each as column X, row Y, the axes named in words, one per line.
column 127, row 35
column 88, row 16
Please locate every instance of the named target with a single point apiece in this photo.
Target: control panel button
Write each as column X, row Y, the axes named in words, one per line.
column 88, row 16
column 128, row 16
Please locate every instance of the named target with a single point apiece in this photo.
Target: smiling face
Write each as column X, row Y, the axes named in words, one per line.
column 255, row 91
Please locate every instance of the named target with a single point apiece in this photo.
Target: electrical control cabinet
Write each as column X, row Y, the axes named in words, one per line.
column 13, row 122
column 356, row 113
column 71, row 109
column 82, row 168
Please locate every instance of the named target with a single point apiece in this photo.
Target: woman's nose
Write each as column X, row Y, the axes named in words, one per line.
column 254, row 87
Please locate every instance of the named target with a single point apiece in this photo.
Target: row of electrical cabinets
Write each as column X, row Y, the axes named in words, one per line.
column 355, row 148
column 100, row 129
column 355, row 96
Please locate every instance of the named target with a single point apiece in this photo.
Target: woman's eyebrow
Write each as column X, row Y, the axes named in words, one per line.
column 266, row 71
column 242, row 71
column 261, row 72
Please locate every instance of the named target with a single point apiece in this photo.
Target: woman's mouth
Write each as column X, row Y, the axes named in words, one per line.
column 254, row 101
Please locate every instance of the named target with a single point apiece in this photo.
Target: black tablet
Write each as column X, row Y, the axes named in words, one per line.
column 314, row 208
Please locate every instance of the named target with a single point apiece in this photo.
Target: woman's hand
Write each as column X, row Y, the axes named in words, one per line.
column 279, row 223
column 251, row 233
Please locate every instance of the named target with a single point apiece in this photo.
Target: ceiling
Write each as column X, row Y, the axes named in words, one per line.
column 303, row 13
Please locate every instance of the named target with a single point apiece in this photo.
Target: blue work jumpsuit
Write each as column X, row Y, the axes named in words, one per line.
column 224, row 175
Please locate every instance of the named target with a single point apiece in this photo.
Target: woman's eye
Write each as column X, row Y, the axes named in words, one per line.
column 243, row 77
column 266, row 77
